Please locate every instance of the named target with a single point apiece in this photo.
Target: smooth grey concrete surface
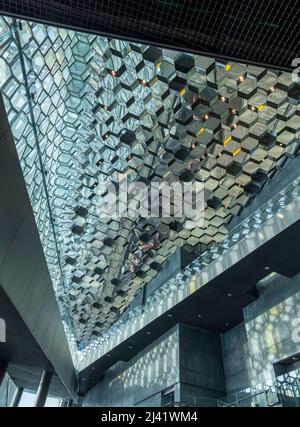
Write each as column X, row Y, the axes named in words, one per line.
column 236, row 360
column 200, row 364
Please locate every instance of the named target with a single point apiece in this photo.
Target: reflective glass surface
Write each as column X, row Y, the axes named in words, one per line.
column 86, row 109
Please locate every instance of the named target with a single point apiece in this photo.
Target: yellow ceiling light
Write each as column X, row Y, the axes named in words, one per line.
column 236, row 152
column 200, row 131
column 227, row 140
column 182, row 92
column 227, row 67
column 261, row 107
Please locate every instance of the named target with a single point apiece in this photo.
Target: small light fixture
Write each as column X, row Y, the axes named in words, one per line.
column 272, row 89
column 130, row 347
column 252, row 108
column 108, row 355
column 280, row 215
column 223, row 99
column 294, row 358
column 82, row 379
column 144, row 82
column 233, row 111
column 193, row 146
column 199, row 316
column 234, row 126
column 170, row 315
column 267, row 268
column 148, row 333
column 105, row 136
column 206, row 117
column 229, row 294
column 105, row 107
column 113, row 73
column 241, row 78
column 226, row 324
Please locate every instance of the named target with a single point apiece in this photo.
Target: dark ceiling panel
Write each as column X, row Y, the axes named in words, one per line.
column 262, row 32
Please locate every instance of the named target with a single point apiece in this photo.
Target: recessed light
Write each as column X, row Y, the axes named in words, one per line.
column 130, row 347
column 294, row 358
column 226, row 324
column 113, row 73
column 223, row 99
column 267, row 268
column 200, row 316
column 93, row 368
column 206, row 117
column 170, row 315
column 108, row 355
column 229, row 294
column 82, row 379
column 241, row 78
column 148, row 333
column 280, row 215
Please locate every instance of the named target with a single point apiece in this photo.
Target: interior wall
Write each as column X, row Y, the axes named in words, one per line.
column 270, row 332
column 202, row 378
column 140, row 381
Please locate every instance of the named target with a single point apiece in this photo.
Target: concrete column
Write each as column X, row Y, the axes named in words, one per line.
column 17, row 397
column 43, row 389
column 3, row 369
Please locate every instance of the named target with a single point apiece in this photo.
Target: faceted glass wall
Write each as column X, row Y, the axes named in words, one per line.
column 85, row 110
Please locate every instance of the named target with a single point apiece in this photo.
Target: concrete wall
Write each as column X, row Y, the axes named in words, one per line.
column 270, row 333
column 236, row 361
column 185, row 357
column 140, row 381
column 201, row 366
column 273, row 326
column 205, row 366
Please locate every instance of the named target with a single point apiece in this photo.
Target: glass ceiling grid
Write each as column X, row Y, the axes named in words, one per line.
column 107, row 107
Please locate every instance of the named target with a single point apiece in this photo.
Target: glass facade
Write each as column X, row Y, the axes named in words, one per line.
column 86, row 109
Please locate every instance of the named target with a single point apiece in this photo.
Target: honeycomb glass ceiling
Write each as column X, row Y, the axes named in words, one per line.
column 85, row 108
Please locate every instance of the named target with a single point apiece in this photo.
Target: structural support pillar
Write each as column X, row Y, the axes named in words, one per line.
column 17, row 397
column 43, row 389
column 3, row 369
